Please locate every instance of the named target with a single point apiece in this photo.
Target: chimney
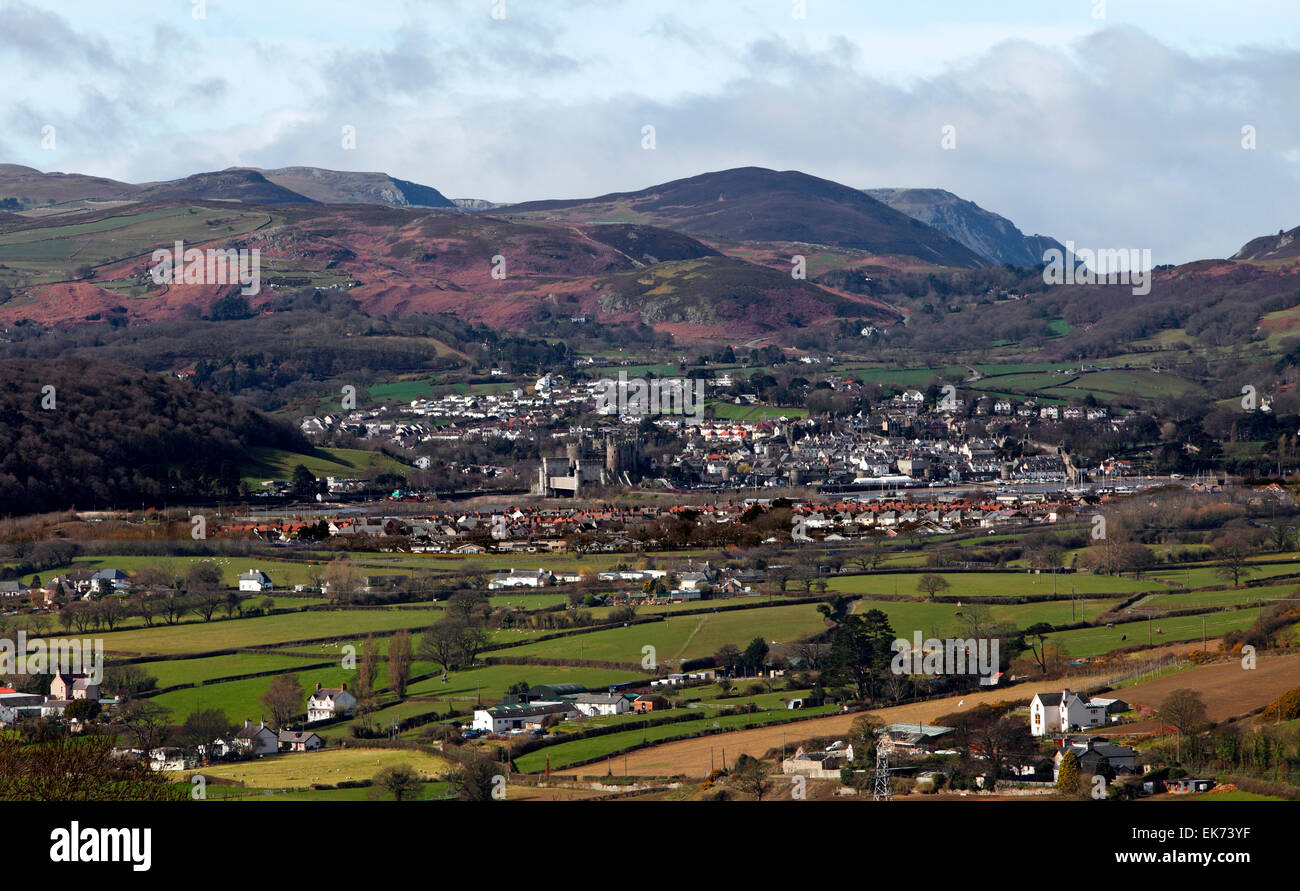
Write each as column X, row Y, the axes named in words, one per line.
column 318, row 685
column 345, row 686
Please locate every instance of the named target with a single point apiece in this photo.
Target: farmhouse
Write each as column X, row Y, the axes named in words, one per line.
column 327, row 702
column 255, row 581
column 521, row 578
column 1090, row 752
column 259, row 740
column 69, row 687
column 295, row 741
column 1050, row 712
column 592, row 704
column 521, row 716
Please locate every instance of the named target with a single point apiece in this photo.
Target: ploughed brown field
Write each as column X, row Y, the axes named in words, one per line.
column 1227, row 688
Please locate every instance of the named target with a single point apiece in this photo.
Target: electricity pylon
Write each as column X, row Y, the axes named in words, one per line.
column 883, row 789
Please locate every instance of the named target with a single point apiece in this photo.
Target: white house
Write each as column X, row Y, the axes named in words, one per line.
column 327, row 702
column 520, row 578
column 259, row 740
column 295, row 741
column 521, row 716
column 1064, row 711
column 592, row 704
column 255, row 581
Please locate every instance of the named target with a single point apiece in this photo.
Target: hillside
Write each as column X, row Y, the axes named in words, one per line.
column 724, row 298
column 117, row 436
column 25, row 187
column 347, row 187
column 247, row 186
column 1282, row 246
column 991, row 236
column 757, row 204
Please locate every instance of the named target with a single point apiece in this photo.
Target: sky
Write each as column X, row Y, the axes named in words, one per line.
column 1115, row 124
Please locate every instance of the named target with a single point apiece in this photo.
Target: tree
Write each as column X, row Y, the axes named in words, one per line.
column 172, row 606
column 440, row 643
column 82, row 710
column 1283, row 535
column 303, row 485
column 202, row 726
column 860, row 652
column 125, row 681
column 400, row 781
column 1069, row 779
column 284, row 699
column 366, row 668
column 1185, row 710
column 751, row 776
column 146, row 721
column 233, row 603
column 755, row 654
column 862, row 736
column 203, row 575
column 471, row 639
column 206, row 603
column 727, row 658
column 78, row 768
column 1035, row 637
column 931, row 584
column 342, row 579
column 468, row 606
column 399, row 663
column 111, row 610
column 475, row 779
column 1232, row 551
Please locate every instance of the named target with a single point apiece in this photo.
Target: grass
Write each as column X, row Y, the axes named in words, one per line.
column 1096, row 641
column 199, row 637
column 995, row 584
column 491, row 681
column 298, row 769
column 278, row 464
column 564, row 754
column 241, row 700
column 687, row 637
column 189, row 671
column 943, row 619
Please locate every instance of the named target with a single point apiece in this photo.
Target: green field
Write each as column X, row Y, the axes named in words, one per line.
column 1096, row 641
column 994, row 584
column 52, row 252
column 729, row 411
column 687, row 637
column 189, row 671
column 278, row 464
column 944, row 620
column 490, row 682
column 240, row 700
column 198, row 637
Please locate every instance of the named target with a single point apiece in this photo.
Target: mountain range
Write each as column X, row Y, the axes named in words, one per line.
column 746, row 254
